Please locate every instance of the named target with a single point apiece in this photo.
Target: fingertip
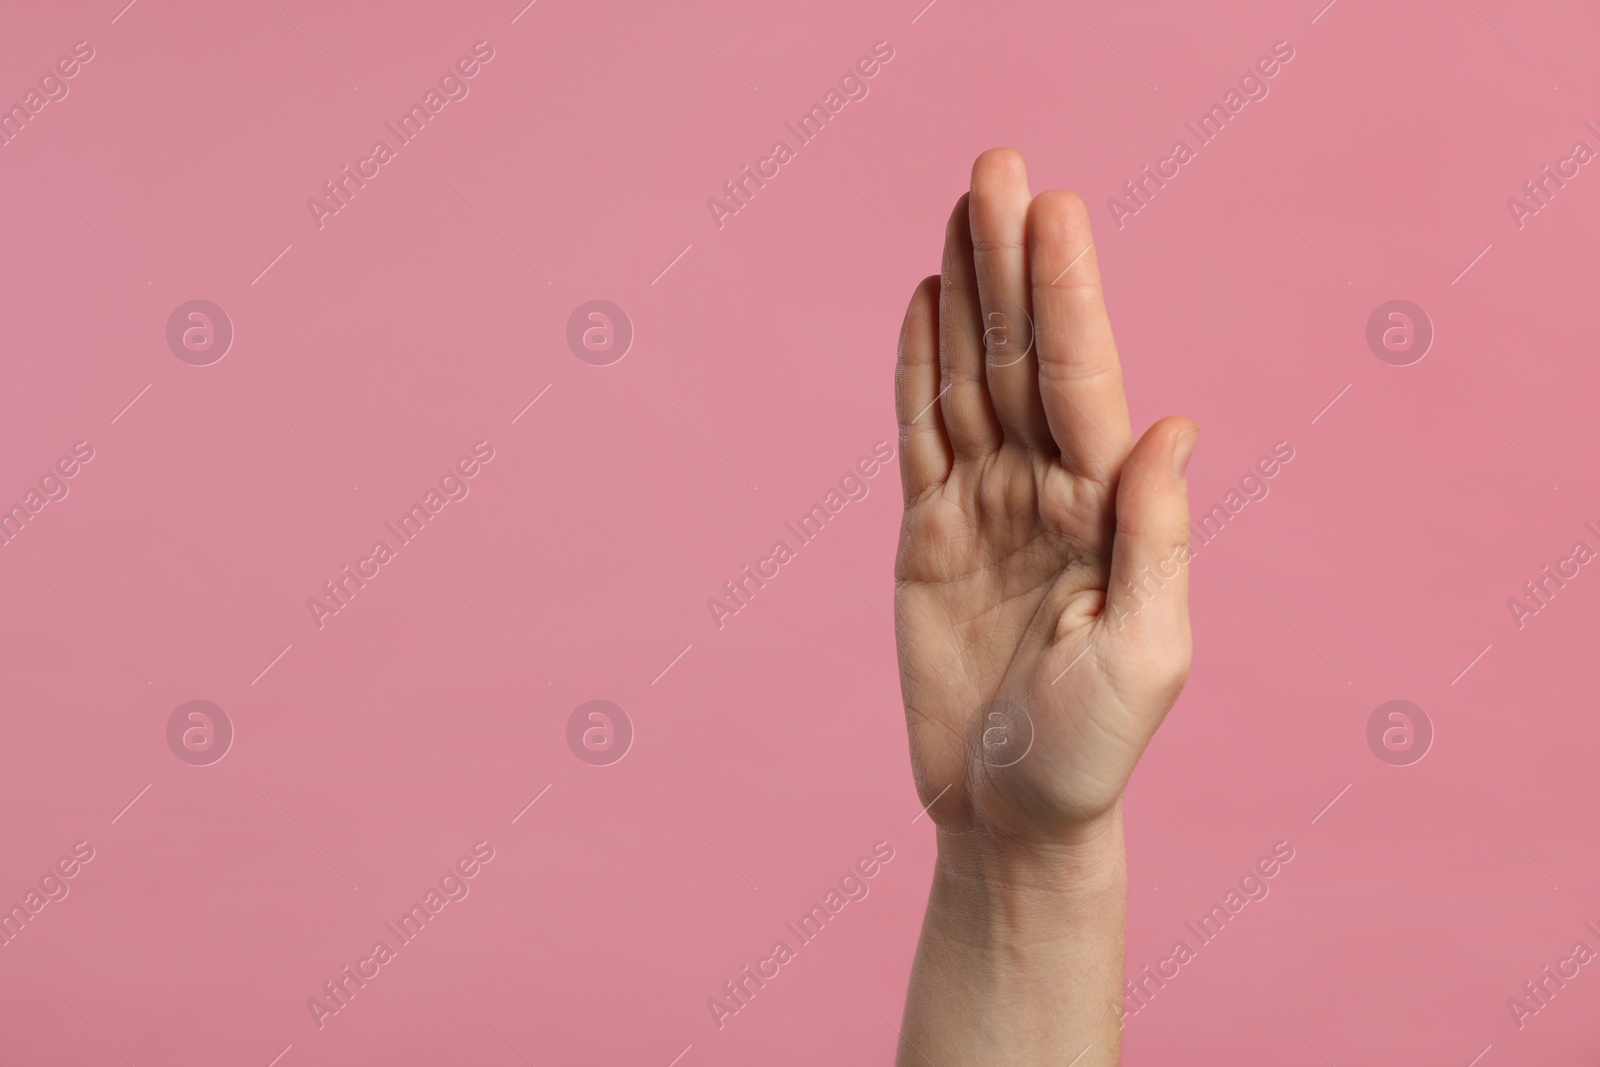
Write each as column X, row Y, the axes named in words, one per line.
column 921, row 318
column 1001, row 162
column 922, row 293
column 955, row 264
column 1061, row 209
column 1183, row 442
column 924, row 452
column 957, row 223
column 1148, row 585
column 999, row 200
column 1153, row 484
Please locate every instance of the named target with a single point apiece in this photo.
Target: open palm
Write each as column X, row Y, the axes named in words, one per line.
column 1041, row 584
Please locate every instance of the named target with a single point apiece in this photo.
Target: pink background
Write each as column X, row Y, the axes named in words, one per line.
column 424, row 717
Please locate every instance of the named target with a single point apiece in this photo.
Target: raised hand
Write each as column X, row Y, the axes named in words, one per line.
column 1041, row 586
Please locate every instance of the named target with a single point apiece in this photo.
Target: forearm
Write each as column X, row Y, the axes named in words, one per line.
column 1021, row 956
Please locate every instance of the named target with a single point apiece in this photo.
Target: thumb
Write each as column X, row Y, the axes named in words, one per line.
column 1147, row 600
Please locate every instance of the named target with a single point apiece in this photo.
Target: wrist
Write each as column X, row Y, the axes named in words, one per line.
column 1028, row 894
column 1085, row 862
column 1021, row 949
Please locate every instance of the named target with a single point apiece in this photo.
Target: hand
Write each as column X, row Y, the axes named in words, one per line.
column 1041, row 596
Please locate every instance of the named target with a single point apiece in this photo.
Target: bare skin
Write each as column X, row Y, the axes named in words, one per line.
column 1042, row 621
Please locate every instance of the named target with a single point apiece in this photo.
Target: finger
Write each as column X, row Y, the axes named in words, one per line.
column 999, row 210
column 1147, row 597
column 1080, row 380
column 969, row 421
column 924, row 452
